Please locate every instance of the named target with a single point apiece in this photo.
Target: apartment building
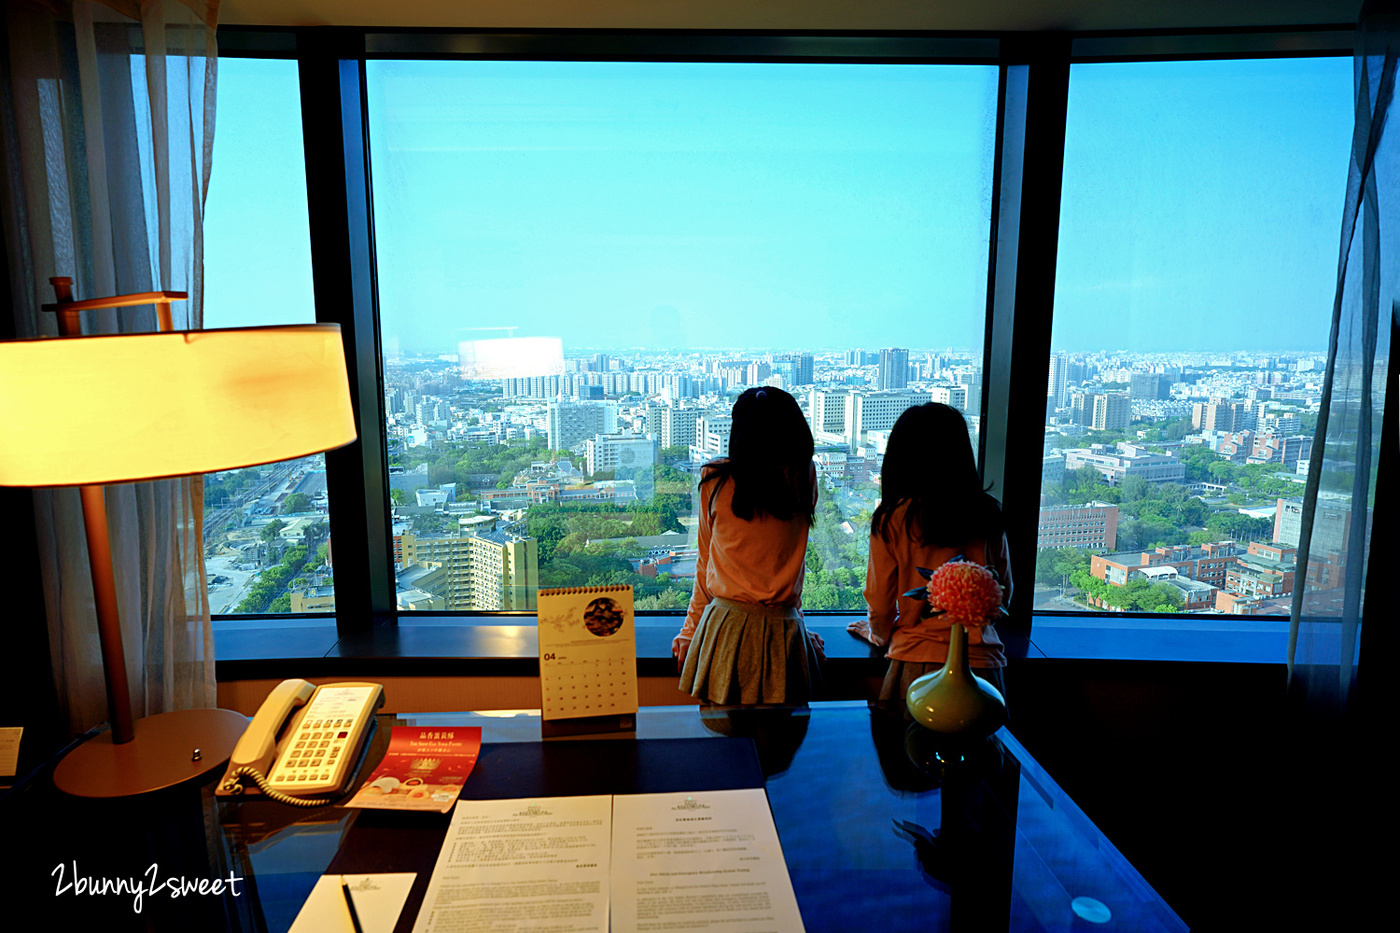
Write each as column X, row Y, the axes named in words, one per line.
column 492, row 570
column 572, row 423
column 606, row 452
column 1092, row 526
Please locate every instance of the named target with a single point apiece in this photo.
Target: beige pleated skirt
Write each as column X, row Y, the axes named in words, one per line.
column 744, row 654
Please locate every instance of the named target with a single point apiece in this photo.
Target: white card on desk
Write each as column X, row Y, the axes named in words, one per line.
column 379, row 900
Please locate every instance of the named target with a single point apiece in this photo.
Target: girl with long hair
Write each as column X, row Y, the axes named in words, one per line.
column 932, row 509
column 744, row 641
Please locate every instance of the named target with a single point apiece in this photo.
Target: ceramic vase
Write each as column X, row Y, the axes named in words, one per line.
column 954, row 701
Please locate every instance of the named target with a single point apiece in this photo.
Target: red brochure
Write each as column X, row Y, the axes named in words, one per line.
column 424, row 768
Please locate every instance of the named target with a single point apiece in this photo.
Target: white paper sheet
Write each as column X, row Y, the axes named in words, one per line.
column 379, row 900
column 522, row 865
column 705, row 861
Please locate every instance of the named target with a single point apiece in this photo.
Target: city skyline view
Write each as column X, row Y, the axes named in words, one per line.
column 678, row 232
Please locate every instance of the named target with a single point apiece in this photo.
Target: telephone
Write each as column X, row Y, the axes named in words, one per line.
column 302, row 746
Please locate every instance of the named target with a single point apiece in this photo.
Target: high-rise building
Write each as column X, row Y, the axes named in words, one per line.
column 952, row 396
column 711, row 437
column 1218, row 414
column 572, row 423
column 796, row 368
column 1081, row 407
column 1112, row 412
column 1058, row 381
column 491, row 570
column 875, row 411
column 607, row 452
column 1149, row 386
column 827, row 410
column 972, row 381
column 894, row 368
column 675, row 426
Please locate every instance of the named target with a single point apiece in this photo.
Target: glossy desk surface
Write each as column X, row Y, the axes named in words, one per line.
column 873, row 841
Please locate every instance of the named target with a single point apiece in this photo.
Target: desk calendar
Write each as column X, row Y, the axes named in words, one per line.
column 588, row 652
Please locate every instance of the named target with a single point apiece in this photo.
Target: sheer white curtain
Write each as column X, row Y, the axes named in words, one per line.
column 108, row 125
column 1334, row 545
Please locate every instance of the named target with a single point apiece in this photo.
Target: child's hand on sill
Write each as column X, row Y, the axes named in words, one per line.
column 861, row 629
column 680, row 646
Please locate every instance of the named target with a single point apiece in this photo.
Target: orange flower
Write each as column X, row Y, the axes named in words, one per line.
column 966, row 593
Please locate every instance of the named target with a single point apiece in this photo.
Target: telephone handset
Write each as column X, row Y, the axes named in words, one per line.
column 302, row 745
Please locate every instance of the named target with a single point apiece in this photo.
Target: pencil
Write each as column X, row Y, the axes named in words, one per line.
column 350, row 903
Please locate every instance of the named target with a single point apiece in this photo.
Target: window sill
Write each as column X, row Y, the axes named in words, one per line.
column 473, row 646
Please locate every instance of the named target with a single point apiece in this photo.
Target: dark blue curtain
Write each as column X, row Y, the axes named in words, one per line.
column 1338, row 505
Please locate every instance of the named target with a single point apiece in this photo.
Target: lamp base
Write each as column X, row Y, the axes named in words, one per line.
column 162, row 755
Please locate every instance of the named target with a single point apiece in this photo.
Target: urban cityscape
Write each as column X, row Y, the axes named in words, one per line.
column 1171, row 482
column 580, row 211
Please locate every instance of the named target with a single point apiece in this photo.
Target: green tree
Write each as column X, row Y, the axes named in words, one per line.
column 1197, row 461
column 675, row 454
column 1053, row 565
column 1222, row 472
column 296, row 502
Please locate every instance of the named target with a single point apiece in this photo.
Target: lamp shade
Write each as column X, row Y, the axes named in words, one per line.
column 106, row 409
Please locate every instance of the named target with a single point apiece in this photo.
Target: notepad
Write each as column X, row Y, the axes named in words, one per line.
column 379, row 900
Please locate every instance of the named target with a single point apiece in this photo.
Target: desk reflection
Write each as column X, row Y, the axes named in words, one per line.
column 881, row 828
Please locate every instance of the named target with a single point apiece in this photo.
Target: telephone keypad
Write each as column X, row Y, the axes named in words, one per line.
column 316, row 744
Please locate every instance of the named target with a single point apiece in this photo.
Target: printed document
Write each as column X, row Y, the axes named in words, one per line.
column 700, row 861
column 527, row 864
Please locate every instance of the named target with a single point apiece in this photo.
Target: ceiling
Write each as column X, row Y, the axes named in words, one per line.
column 796, row 15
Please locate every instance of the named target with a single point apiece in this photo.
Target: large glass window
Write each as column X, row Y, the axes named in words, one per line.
column 1197, row 261
column 266, row 533
column 581, row 264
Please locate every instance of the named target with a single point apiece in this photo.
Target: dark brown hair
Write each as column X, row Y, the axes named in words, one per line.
column 929, row 464
column 770, row 458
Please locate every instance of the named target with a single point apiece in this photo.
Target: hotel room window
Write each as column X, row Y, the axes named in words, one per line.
column 266, row 532
column 1193, row 296
column 581, row 264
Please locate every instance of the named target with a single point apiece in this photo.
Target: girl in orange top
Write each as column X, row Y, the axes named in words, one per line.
column 932, row 508
column 744, row 641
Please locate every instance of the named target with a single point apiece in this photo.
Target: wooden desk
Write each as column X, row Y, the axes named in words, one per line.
column 1012, row 850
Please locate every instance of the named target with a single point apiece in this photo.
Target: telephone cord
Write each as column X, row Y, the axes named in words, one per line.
column 277, row 796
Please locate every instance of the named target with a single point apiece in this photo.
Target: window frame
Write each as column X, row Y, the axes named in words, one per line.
column 1022, row 239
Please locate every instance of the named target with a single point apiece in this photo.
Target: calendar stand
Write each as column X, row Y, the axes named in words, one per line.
column 588, row 661
column 589, row 725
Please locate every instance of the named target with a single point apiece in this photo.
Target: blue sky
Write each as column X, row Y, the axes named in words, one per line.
column 1202, row 204
column 676, row 205
column 257, row 247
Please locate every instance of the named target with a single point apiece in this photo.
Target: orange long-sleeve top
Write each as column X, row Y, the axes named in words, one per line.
column 761, row 561
column 894, row 618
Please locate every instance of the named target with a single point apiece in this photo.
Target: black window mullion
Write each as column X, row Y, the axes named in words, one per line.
column 342, row 258
column 1022, row 274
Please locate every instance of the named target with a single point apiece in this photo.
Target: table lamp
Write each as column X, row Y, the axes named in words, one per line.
column 88, row 411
